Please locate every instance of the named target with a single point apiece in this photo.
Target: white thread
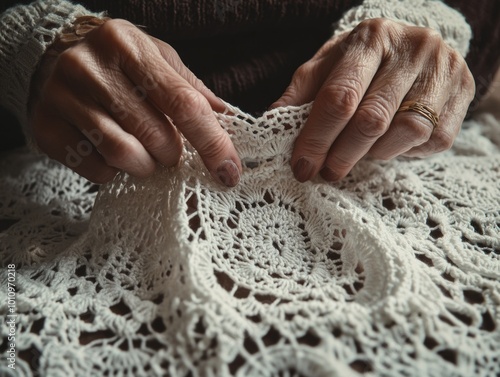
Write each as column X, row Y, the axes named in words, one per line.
column 395, row 271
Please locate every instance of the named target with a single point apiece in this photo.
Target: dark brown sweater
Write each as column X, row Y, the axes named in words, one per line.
column 247, row 50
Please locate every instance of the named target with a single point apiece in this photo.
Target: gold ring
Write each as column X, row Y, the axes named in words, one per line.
column 422, row 109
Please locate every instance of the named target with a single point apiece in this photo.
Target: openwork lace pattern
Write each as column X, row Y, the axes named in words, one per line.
column 395, row 271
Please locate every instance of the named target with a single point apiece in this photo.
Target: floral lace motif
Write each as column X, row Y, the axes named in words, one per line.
column 395, row 271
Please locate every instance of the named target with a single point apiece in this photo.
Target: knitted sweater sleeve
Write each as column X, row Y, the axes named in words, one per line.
column 25, row 33
column 434, row 14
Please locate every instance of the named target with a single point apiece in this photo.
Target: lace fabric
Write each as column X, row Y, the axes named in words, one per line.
column 394, row 271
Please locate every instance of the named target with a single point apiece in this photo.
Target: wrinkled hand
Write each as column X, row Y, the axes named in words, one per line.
column 359, row 80
column 118, row 99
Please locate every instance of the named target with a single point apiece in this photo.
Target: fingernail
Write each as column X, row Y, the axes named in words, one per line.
column 228, row 173
column 329, row 175
column 303, row 169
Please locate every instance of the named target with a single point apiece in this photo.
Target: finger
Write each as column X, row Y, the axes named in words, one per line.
column 192, row 115
column 310, row 76
column 63, row 143
column 371, row 120
column 129, row 107
column 306, row 82
column 335, row 104
column 452, row 115
column 410, row 129
column 450, row 123
column 172, row 57
column 187, row 107
column 406, row 132
column 118, row 148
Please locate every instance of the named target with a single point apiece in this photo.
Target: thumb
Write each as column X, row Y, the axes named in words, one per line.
column 310, row 76
column 306, row 82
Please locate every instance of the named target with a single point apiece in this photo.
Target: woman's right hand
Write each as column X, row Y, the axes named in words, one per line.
column 118, row 99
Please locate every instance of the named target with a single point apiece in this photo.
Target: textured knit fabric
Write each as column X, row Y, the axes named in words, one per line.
column 393, row 272
column 432, row 14
column 26, row 32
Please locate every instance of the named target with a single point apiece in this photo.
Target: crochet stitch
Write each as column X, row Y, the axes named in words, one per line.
column 395, row 271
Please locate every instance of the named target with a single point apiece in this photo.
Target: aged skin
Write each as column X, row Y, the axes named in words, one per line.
column 131, row 96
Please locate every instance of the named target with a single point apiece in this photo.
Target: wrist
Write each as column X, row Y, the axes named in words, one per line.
column 69, row 37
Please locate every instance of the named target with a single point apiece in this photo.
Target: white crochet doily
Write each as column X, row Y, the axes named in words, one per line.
column 395, row 271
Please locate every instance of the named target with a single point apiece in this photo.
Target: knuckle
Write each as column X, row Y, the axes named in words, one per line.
column 456, row 62
column 74, row 69
column 433, row 36
column 71, row 63
column 118, row 151
column 379, row 24
column 308, row 73
column 213, row 147
column 442, row 141
column 371, row 32
column 455, row 57
column 289, row 95
column 371, row 129
column 339, row 163
column 149, row 133
column 415, row 131
column 113, row 30
column 303, row 72
column 428, row 37
column 469, row 84
column 300, row 77
column 122, row 40
column 372, row 121
column 187, row 104
column 373, row 26
column 420, row 40
column 339, row 102
column 315, row 145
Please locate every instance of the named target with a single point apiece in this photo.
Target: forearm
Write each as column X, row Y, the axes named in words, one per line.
column 26, row 31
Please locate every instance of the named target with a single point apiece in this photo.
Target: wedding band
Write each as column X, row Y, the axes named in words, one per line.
column 422, row 109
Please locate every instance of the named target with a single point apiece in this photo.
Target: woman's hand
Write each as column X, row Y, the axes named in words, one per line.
column 359, row 80
column 118, row 99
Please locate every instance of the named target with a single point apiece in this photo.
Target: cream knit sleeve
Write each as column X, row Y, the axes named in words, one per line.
column 25, row 33
column 427, row 13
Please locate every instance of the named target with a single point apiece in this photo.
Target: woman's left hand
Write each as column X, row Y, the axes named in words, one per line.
column 359, row 80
